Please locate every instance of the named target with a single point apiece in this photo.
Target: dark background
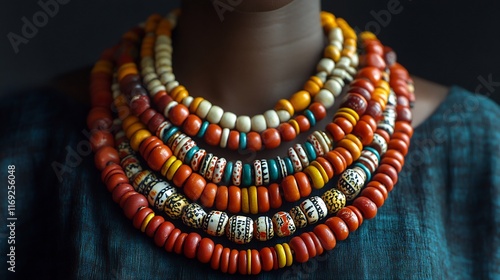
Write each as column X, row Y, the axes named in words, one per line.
column 449, row 42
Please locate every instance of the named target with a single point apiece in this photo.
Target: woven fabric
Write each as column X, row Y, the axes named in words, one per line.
column 441, row 221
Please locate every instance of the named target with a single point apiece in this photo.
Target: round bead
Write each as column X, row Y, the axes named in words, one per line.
column 228, row 120
column 240, row 229
column 326, row 236
column 366, row 206
column 350, row 183
column 193, row 215
column 258, row 123
column 191, row 245
column 243, row 123
column 314, row 208
column 338, row 227
column 283, row 224
column 215, row 114
column 174, row 205
column 205, row 250
column 215, row 223
column 334, row 200
column 300, row 249
column 263, row 228
column 298, row 216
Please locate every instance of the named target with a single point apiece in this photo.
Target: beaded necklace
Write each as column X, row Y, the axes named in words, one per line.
column 378, row 162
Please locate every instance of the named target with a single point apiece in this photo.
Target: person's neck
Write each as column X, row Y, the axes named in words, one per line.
column 248, row 58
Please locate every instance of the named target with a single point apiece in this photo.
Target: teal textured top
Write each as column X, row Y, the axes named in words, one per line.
column 441, row 221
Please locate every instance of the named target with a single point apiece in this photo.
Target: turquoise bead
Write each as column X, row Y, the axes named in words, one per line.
column 228, row 171
column 246, row 177
column 273, row 170
column 203, row 129
column 243, row 140
column 190, row 154
column 310, row 116
column 170, row 132
column 311, row 154
column 289, row 166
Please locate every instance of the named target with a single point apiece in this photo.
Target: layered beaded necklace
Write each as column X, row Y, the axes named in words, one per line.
column 144, row 123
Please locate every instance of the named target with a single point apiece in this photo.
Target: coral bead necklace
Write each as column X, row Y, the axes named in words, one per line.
column 372, row 152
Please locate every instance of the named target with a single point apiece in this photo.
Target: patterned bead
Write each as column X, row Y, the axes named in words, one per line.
column 239, row 229
column 379, row 143
column 142, row 179
column 220, row 165
column 198, row 159
column 263, row 228
column 314, row 209
column 351, row 182
column 174, row 205
column 237, row 170
column 159, row 193
column 131, row 166
column 205, row 164
column 292, row 154
column 283, row 224
column 265, row 172
column 299, row 218
column 257, row 167
column 301, row 152
column 334, row 200
column 215, row 223
column 282, row 167
column 193, row 215
column 188, row 145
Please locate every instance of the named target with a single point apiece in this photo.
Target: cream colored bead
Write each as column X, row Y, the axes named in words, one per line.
column 187, row 101
column 337, row 44
column 203, row 108
column 243, row 123
column 325, row 97
column 259, row 123
column 157, row 89
column 335, row 34
column 326, row 64
column 355, row 60
column 322, row 75
column 163, row 62
column 181, row 143
column 154, row 83
column 167, row 77
column 168, row 107
column 341, row 73
column 171, row 85
column 351, row 70
column 283, row 115
column 147, row 70
column 272, row 118
column 147, row 61
column 149, row 77
column 160, row 55
column 215, row 114
column 334, row 87
column 163, row 47
column 343, row 63
column 224, row 137
column 163, row 39
column 228, row 120
column 164, row 69
column 322, row 141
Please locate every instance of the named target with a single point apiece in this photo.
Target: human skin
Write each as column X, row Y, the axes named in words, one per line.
column 260, row 52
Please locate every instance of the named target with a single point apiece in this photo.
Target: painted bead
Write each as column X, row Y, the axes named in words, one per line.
column 215, row 223
column 239, row 229
column 159, row 193
column 174, row 205
column 263, row 228
column 334, row 200
column 283, row 224
column 351, row 182
column 314, row 209
column 379, row 143
column 298, row 216
column 193, row 215
column 142, row 179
